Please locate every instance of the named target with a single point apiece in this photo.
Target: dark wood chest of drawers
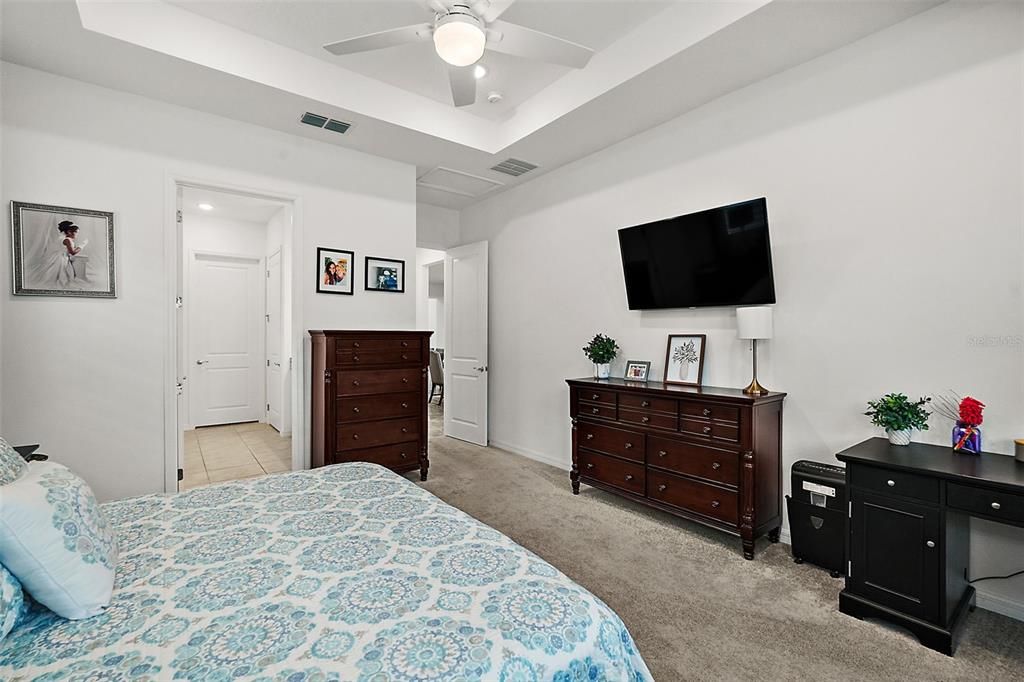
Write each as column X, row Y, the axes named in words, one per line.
column 369, row 398
column 711, row 455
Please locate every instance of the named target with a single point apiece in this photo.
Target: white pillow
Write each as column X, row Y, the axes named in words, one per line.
column 56, row 541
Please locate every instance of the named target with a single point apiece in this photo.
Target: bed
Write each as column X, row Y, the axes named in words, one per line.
column 348, row 572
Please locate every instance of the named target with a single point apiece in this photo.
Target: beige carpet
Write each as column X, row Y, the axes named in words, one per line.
column 696, row 608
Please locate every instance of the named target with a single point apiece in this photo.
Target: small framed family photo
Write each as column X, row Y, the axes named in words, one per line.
column 334, row 271
column 637, row 370
column 684, row 359
column 60, row 251
column 385, row 274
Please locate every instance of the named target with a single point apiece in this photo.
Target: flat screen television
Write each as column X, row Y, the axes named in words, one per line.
column 718, row 257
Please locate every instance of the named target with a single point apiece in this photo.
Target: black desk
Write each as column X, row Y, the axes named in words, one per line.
column 908, row 536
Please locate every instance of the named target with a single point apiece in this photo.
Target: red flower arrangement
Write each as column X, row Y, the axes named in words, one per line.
column 970, row 411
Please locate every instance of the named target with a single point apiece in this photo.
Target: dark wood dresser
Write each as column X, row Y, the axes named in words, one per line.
column 711, row 455
column 370, row 398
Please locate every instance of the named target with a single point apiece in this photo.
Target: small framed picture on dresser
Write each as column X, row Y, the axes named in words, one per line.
column 636, row 370
column 684, row 359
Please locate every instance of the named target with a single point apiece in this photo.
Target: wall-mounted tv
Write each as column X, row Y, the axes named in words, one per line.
column 718, row 257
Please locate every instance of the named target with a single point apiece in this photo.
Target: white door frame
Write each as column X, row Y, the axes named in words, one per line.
column 173, row 272
column 266, row 338
column 190, row 365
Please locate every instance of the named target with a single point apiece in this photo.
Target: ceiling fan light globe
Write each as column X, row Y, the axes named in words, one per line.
column 459, row 41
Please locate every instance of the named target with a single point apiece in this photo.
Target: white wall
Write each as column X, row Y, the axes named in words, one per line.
column 436, row 227
column 893, row 175
column 87, row 377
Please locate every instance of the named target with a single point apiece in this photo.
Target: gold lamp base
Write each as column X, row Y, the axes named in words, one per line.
column 755, row 388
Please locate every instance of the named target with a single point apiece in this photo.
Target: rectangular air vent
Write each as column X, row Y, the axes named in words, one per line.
column 318, row 121
column 514, row 167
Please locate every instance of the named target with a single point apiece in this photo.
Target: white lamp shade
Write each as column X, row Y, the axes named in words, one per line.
column 754, row 323
column 459, row 41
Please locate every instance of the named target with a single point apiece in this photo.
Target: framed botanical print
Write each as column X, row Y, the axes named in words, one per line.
column 636, row 370
column 385, row 274
column 60, row 251
column 684, row 359
column 334, row 271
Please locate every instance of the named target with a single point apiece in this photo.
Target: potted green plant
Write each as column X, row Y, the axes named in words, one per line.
column 898, row 416
column 601, row 350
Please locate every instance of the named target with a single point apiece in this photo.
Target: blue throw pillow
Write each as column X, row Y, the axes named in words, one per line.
column 12, row 464
column 12, row 602
column 56, row 541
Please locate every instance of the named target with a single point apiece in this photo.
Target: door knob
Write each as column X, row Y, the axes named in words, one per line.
column 201, row 362
column 481, row 369
column 405, row 430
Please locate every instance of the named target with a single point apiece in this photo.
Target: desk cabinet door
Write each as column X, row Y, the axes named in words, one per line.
column 896, row 549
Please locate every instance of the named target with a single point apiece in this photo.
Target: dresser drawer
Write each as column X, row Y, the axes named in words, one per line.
column 711, row 464
column 366, row 408
column 710, row 430
column 370, row 381
column 410, row 344
column 645, row 418
column 640, row 402
column 699, row 498
column 599, row 410
column 611, row 441
column 625, row 475
column 895, row 483
column 392, row 456
column 372, row 434
column 723, row 413
column 597, row 395
column 985, row 502
column 371, row 358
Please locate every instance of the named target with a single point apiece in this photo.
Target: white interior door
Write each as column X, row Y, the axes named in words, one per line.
column 275, row 331
column 181, row 371
column 465, row 353
column 226, row 339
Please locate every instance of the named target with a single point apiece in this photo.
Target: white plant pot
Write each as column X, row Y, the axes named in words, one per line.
column 899, row 437
column 602, row 371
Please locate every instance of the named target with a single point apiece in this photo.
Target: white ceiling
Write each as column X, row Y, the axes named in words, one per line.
column 307, row 25
column 684, row 54
column 229, row 206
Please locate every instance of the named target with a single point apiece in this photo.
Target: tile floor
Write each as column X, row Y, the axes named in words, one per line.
column 227, row 453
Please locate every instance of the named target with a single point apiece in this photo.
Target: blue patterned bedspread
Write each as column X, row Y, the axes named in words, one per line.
column 348, row 572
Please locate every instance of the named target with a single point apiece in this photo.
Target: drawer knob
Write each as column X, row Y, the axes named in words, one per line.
column 355, row 382
column 706, row 412
column 662, row 453
column 355, row 344
column 716, row 504
column 355, row 436
column 405, row 344
column 355, row 358
column 707, row 429
column 891, row 483
column 645, row 403
column 930, row 543
column 404, row 356
column 629, row 446
column 590, row 436
column 402, row 455
column 595, row 396
column 405, row 430
column 405, row 380
column 356, row 410
column 405, row 406
column 629, row 477
column 645, row 419
column 662, row 488
column 595, row 410
column 996, row 506
column 716, row 465
column 590, row 465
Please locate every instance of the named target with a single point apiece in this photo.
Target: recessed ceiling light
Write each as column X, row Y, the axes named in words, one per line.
column 205, row 207
column 479, row 71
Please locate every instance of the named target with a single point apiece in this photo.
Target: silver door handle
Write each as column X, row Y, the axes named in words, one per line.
column 481, row 369
column 201, row 362
column 277, row 364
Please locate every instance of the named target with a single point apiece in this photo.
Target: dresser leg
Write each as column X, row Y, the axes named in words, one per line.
column 773, row 534
column 748, row 549
column 424, row 465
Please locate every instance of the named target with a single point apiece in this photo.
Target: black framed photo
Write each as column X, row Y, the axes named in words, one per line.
column 60, row 251
column 636, row 370
column 385, row 274
column 335, row 271
column 684, row 359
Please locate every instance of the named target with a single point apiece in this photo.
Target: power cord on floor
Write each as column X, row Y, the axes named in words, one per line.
column 997, row 577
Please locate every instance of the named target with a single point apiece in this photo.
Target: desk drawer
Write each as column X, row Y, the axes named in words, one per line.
column 618, row 442
column 1002, row 506
column 700, row 498
column 370, row 381
column 644, row 418
column 597, row 395
column 625, row 475
column 711, row 464
column 599, row 410
column 372, row 434
column 895, row 483
column 641, row 402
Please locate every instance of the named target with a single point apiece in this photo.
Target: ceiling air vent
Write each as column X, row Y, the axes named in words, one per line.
column 514, row 167
column 331, row 124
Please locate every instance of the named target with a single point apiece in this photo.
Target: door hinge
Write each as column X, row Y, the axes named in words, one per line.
column 268, row 274
column 268, row 363
column 268, row 407
column 178, row 302
column 181, row 474
column 178, row 215
column 268, row 317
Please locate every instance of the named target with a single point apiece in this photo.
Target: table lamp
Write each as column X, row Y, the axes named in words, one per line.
column 754, row 323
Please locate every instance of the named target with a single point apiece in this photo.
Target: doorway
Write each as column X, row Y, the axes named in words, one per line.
column 234, row 336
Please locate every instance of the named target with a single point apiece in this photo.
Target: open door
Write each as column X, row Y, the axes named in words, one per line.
column 465, row 361
column 180, row 371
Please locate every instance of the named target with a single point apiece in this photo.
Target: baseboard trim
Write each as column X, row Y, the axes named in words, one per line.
column 1000, row 605
column 530, row 454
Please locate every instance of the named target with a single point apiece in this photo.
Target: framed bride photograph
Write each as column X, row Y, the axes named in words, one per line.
column 60, row 251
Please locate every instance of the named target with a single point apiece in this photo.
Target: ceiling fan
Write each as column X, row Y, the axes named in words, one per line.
column 461, row 31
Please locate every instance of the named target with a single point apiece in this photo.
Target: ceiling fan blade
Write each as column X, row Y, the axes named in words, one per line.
column 525, row 42
column 436, row 6
column 379, row 41
column 463, row 85
column 490, row 10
